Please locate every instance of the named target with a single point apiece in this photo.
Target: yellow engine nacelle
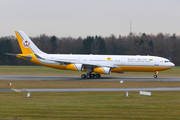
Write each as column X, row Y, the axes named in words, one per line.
column 102, row 70
column 75, row 67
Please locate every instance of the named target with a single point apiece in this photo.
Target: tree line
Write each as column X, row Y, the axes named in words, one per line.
column 164, row 45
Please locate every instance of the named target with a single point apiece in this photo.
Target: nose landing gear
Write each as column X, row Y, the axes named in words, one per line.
column 155, row 76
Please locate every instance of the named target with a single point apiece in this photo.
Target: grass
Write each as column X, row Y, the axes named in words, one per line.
column 89, row 105
column 35, row 71
column 45, row 71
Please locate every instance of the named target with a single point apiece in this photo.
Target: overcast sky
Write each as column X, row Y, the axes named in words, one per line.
column 75, row 18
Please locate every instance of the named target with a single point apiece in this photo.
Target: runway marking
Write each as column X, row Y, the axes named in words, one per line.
column 16, row 90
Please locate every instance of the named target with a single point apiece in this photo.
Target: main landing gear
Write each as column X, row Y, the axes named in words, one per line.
column 90, row 76
column 155, row 76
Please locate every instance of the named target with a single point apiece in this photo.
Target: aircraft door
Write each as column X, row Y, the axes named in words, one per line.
column 156, row 62
column 122, row 61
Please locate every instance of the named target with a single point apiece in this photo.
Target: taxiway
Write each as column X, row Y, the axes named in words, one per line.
column 91, row 89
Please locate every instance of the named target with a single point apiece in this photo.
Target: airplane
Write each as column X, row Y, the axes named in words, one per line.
column 93, row 65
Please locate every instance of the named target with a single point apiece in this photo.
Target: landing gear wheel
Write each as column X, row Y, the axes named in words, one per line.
column 95, row 76
column 83, row 76
column 155, row 76
column 98, row 75
column 92, row 76
column 88, row 76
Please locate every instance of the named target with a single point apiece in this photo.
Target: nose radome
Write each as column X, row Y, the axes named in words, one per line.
column 172, row 64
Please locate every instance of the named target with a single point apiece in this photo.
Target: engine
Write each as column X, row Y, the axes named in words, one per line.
column 102, row 70
column 75, row 67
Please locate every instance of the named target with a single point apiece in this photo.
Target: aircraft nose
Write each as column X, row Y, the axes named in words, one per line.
column 172, row 64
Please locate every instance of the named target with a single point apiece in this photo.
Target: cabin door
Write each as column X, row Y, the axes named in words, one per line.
column 122, row 61
column 156, row 62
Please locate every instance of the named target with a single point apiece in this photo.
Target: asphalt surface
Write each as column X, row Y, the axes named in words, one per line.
column 6, row 90
column 100, row 89
column 75, row 78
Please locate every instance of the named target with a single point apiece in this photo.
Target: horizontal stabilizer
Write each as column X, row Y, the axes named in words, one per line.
column 29, row 57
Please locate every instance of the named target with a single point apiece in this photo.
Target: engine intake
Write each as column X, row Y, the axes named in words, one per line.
column 102, row 70
column 75, row 67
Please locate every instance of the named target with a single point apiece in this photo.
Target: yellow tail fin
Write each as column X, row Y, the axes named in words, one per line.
column 26, row 45
column 23, row 44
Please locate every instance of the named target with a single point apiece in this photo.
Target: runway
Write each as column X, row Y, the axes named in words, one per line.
column 77, row 78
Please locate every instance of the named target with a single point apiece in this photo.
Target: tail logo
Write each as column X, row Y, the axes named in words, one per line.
column 26, row 43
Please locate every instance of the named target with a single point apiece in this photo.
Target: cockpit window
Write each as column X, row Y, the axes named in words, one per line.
column 166, row 61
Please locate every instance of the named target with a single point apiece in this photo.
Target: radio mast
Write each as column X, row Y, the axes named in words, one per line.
column 130, row 27
column 130, row 34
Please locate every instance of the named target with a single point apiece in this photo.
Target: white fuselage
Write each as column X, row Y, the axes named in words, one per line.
column 124, row 62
